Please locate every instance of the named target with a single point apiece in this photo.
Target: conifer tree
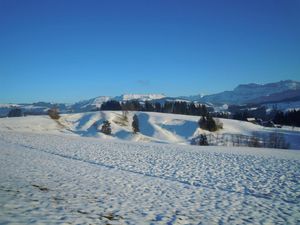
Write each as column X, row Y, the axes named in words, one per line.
column 208, row 123
column 203, row 140
column 106, row 128
column 135, row 124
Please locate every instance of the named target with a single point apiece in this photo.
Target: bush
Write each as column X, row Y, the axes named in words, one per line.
column 254, row 142
column 208, row 123
column 200, row 140
column 53, row 113
column 125, row 115
column 106, row 128
column 135, row 124
column 203, row 140
column 122, row 120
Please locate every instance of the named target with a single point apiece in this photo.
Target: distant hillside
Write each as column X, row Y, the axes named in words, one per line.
column 256, row 93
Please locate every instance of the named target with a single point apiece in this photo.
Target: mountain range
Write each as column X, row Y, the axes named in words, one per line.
column 276, row 93
column 257, row 93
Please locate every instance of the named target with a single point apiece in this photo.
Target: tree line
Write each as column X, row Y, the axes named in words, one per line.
column 290, row 118
column 176, row 107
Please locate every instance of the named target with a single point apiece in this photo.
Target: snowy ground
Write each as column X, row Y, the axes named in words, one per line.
column 54, row 179
column 66, row 172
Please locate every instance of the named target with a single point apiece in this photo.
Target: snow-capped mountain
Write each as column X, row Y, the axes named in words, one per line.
column 89, row 105
column 140, row 97
column 256, row 93
column 193, row 98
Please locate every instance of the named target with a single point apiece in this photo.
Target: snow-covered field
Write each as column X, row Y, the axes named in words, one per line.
column 49, row 174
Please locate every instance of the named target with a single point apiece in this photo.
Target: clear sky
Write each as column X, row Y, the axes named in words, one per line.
column 65, row 51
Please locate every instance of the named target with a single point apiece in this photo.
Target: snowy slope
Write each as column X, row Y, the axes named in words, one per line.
column 57, row 178
column 154, row 127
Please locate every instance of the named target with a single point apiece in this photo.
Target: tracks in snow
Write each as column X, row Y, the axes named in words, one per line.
column 246, row 192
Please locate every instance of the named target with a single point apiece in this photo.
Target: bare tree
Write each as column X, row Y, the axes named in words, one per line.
column 277, row 140
column 125, row 115
column 254, row 142
column 54, row 113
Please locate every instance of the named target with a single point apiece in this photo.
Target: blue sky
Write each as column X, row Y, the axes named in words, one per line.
column 66, row 51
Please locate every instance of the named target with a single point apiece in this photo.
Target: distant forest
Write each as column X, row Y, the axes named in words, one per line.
column 184, row 108
column 289, row 118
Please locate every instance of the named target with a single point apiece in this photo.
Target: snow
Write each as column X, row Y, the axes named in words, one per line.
column 67, row 172
column 142, row 97
column 98, row 101
column 60, row 178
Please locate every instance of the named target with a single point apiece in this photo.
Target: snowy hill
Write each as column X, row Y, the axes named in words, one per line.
column 154, row 127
